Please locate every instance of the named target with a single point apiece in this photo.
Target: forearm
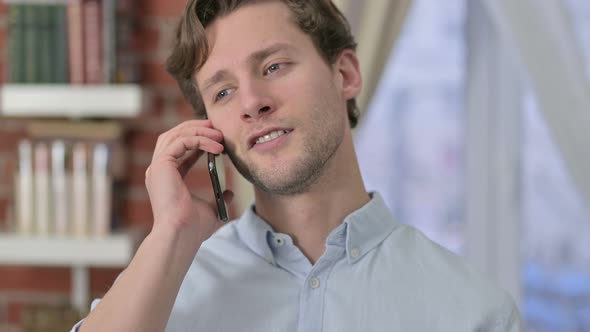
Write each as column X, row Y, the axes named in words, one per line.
column 142, row 298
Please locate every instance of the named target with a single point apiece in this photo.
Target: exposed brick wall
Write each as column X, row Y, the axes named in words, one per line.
column 21, row 286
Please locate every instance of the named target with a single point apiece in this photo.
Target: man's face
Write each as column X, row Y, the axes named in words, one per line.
column 277, row 102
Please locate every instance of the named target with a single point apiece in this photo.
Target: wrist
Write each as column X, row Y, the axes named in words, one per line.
column 181, row 239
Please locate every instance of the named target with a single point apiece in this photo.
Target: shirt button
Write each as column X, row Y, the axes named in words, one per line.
column 314, row 282
column 279, row 241
column 355, row 252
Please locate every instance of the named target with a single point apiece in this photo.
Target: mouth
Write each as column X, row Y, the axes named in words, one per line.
column 267, row 136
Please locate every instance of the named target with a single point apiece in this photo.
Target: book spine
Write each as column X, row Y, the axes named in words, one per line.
column 108, row 41
column 59, row 188
column 16, row 43
column 24, row 195
column 126, row 70
column 101, row 191
column 31, row 42
column 75, row 42
column 45, row 30
column 80, row 193
column 60, row 41
column 92, row 22
column 42, row 193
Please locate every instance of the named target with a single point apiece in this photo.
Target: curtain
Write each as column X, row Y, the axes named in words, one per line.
column 541, row 33
column 376, row 24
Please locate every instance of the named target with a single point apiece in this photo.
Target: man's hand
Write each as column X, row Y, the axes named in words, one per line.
column 173, row 205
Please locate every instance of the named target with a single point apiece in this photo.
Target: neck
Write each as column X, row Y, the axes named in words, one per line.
column 309, row 217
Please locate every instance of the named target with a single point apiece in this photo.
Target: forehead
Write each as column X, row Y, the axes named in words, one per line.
column 252, row 27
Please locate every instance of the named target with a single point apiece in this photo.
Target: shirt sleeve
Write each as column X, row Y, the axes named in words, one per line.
column 506, row 318
column 92, row 306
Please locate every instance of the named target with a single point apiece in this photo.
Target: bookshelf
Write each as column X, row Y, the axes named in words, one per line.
column 36, row 2
column 79, row 254
column 71, row 101
column 72, row 62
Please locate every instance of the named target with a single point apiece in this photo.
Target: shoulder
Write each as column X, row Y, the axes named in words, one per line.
column 223, row 244
column 450, row 279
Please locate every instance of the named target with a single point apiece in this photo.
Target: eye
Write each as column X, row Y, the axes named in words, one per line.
column 222, row 94
column 272, row 68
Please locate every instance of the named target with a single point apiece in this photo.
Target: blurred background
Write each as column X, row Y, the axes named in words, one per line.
column 474, row 129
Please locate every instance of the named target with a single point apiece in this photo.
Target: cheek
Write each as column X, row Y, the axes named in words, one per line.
column 230, row 133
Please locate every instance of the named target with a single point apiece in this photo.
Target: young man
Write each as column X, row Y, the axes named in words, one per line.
column 316, row 252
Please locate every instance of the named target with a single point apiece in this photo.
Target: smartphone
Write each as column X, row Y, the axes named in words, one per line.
column 221, row 209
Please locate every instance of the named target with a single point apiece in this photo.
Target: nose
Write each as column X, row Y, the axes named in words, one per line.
column 256, row 101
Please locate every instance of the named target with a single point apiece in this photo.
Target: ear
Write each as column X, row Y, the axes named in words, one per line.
column 348, row 69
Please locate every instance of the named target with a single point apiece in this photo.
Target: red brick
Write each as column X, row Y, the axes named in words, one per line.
column 3, row 207
column 3, row 34
column 3, row 8
column 14, row 312
column 102, row 279
column 136, row 175
column 9, row 140
column 161, row 8
column 185, row 110
column 142, row 141
column 156, row 74
column 138, row 213
column 147, row 39
column 7, row 171
column 35, row 279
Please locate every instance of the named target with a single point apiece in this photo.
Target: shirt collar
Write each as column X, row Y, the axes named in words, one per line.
column 362, row 230
column 253, row 231
column 367, row 227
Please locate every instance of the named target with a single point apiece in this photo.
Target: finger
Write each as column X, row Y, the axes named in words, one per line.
column 188, row 161
column 211, row 133
column 199, row 144
column 187, row 128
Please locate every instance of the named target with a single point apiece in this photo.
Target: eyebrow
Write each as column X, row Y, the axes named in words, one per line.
column 255, row 57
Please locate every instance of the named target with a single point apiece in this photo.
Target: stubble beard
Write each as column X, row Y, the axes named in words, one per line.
column 302, row 174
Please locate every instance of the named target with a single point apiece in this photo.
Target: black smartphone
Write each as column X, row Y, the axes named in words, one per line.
column 222, row 211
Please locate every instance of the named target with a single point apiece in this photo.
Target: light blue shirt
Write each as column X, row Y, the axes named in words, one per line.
column 375, row 275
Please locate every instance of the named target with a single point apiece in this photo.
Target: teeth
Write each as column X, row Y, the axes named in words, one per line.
column 270, row 136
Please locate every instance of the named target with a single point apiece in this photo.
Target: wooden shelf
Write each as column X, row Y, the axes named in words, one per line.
column 37, row 2
column 71, row 101
column 112, row 251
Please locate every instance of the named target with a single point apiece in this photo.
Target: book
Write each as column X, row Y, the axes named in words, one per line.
column 109, row 46
column 59, row 40
column 75, row 38
column 126, row 69
column 31, row 52
column 59, row 187
column 15, row 43
column 44, row 29
column 24, row 189
column 80, row 191
column 42, row 192
column 92, row 22
column 101, row 191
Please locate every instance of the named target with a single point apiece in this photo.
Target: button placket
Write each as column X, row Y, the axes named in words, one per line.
column 279, row 241
column 355, row 252
column 314, row 283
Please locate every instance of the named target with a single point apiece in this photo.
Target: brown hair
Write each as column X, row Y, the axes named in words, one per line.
column 320, row 19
